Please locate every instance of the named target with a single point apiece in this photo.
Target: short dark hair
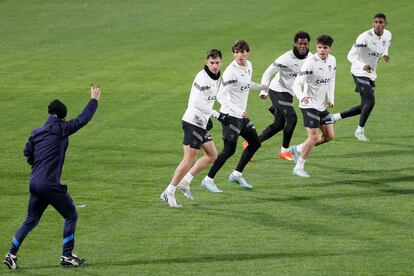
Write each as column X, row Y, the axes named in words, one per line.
column 214, row 53
column 380, row 15
column 325, row 40
column 302, row 35
column 241, row 46
column 57, row 108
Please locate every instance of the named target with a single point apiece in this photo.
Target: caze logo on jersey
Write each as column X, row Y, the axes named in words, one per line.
column 375, row 54
column 211, row 98
column 245, row 87
column 323, row 81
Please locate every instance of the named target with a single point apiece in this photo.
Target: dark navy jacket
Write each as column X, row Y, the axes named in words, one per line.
column 46, row 148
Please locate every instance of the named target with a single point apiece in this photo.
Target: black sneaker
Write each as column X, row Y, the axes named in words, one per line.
column 71, row 260
column 10, row 260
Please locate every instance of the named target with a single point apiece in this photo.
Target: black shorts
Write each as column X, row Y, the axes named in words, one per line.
column 195, row 136
column 364, row 84
column 313, row 118
column 237, row 127
column 282, row 103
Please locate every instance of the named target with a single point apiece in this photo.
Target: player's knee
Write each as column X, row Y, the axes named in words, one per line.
column 213, row 157
column 314, row 138
column 189, row 161
column 229, row 150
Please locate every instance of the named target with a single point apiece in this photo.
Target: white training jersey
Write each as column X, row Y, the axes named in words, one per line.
column 318, row 78
column 368, row 49
column 234, row 91
column 202, row 97
column 287, row 67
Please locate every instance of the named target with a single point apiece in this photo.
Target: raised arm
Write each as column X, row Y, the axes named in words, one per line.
column 72, row 126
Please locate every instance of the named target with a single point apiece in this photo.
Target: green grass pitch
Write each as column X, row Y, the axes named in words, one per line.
column 354, row 216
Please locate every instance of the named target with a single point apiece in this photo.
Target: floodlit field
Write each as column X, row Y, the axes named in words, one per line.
column 354, row 216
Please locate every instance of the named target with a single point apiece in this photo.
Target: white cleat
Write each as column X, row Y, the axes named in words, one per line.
column 240, row 181
column 210, row 186
column 10, row 261
column 186, row 191
column 170, row 199
column 361, row 136
column 300, row 172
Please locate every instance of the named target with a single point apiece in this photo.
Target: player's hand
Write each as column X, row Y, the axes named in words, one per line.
column 263, row 95
column 329, row 104
column 386, row 58
column 244, row 115
column 305, row 100
column 368, row 68
column 95, row 92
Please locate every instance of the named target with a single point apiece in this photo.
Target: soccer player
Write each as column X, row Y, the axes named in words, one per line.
column 233, row 95
column 45, row 153
column 196, row 124
column 318, row 77
column 369, row 48
column 281, row 94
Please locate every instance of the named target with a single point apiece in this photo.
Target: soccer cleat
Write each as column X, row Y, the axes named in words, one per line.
column 295, row 154
column 10, row 260
column 170, row 199
column 71, row 260
column 186, row 191
column 300, row 172
column 361, row 136
column 240, row 181
column 331, row 119
column 210, row 186
column 287, row 155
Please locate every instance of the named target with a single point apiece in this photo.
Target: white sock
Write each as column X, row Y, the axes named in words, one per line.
column 360, row 129
column 337, row 117
column 300, row 164
column 171, row 189
column 282, row 149
column 237, row 174
column 299, row 148
column 186, row 180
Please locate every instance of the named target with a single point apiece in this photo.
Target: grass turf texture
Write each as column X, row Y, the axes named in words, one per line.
column 353, row 216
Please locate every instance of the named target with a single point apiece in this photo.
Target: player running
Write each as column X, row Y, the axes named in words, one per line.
column 317, row 75
column 369, row 48
column 233, row 96
column 196, row 125
column 286, row 67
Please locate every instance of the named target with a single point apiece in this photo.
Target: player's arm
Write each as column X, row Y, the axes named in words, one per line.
column 86, row 115
column 28, row 151
column 223, row 96
column 331, row 89
column 353, row 54
column 256, row 86
column 267, row 75
column 299, row 81
column 385, row 55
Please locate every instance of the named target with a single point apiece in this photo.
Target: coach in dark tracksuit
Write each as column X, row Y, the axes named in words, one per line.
column 45, row 152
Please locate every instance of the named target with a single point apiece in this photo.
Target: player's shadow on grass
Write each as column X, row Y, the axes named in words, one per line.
column 225, row 258
column 202, row 259
column 368, row 154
